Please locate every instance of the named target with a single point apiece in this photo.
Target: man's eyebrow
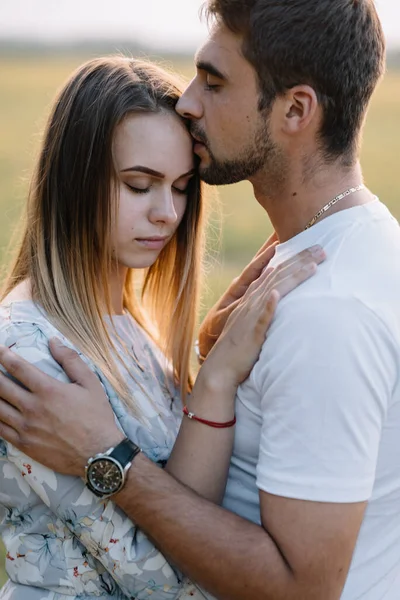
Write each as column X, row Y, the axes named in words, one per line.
column 204, row 65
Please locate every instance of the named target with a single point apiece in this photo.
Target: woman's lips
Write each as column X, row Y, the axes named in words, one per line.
column 153, row 243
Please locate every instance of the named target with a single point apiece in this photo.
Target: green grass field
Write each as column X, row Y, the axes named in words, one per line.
column 27, row 86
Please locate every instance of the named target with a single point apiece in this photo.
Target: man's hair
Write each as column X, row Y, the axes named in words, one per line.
column 335, row 46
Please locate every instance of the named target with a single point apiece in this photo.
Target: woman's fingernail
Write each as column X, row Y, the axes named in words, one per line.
column 310, row 267
column 317, row 251
column 56, row 342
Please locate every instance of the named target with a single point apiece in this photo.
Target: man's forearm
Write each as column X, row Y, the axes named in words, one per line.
column 230, row 557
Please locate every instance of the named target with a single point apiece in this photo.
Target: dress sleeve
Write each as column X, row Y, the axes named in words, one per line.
column 127, row 554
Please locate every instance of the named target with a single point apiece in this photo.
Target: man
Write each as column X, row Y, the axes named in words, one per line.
column 313, row 493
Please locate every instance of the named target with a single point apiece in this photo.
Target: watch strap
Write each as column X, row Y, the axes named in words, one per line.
column 125, row 452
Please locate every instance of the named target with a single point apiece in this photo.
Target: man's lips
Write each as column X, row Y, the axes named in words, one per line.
column 198, row 145
column 197, row 140
column 199, row 148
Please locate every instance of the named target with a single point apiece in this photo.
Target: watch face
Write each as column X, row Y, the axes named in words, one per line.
column 105, row 476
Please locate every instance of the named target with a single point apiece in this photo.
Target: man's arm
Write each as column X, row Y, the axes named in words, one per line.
column 324, row 395
column 231, row 557
column 304, row 548
column 102, row 528
column 235, row 559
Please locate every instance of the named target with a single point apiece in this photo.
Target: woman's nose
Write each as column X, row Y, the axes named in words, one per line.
column 164, row 210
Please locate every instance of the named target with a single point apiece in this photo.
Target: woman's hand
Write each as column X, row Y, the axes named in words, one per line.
column 217, row 316
column 239, row 345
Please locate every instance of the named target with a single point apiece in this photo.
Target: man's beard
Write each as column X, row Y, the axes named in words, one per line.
column 261, row 153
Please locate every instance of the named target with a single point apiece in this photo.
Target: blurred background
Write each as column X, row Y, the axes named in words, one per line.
column 42, row 41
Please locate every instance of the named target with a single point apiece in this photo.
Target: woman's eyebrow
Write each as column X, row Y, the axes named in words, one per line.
column 153, row 173
column 142, row 169
column 148, row 171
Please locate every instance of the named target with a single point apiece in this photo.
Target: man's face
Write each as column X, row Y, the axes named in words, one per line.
column 222, row 102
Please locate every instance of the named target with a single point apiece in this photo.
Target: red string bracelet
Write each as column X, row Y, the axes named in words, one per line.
column 191, row 415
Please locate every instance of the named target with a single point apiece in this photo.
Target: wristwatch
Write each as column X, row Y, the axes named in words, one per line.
column 105, row 473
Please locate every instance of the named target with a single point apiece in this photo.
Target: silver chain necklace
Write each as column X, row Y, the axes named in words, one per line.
column 323, row 210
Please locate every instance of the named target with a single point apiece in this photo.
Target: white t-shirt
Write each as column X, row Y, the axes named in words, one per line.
column 319, row 417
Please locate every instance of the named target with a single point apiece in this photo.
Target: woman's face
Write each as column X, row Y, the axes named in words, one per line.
column 154, row 161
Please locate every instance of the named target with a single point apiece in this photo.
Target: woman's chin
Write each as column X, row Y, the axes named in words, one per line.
column 139, row 262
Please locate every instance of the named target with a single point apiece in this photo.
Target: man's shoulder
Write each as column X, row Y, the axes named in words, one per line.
column 368, row 249
column 325, row 329
column 360, row 279
column 326, row 312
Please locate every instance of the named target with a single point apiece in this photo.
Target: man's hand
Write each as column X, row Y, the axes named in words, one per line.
column 58, row 424
column 215, row 320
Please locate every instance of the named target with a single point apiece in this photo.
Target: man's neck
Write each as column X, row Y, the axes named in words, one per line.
column 293, row 204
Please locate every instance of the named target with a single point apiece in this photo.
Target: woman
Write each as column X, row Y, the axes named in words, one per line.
column 116, row 193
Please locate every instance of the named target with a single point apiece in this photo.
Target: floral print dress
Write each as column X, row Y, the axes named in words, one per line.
column 62, row 541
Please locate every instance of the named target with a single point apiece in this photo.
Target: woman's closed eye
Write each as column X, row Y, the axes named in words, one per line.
column 182, row 185
column 184, row 192
column 138, row 190
column 139, row 184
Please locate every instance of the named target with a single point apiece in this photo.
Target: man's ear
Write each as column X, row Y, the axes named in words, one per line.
column 299, row 109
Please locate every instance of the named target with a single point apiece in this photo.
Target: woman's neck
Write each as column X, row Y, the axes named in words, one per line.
column 21, row 292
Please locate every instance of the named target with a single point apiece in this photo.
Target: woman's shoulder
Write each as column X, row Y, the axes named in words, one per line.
column 22, row 317
column 25, row 328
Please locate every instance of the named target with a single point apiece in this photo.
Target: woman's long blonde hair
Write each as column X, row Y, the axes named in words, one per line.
column 66, row 251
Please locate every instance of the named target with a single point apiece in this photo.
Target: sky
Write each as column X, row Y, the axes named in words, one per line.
column 171, row 24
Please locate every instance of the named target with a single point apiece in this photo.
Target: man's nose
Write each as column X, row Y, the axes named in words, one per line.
column 189, row 105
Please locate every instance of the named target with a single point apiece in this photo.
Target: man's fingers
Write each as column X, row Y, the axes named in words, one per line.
column 29, row 376
column 9, row 434
column 13, row 392
column 73, row 365
column 9, row 415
